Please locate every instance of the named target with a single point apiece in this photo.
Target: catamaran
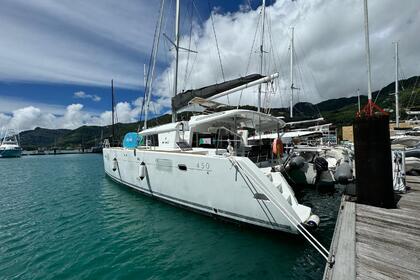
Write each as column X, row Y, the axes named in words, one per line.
column 206, row 164
column 9, row 146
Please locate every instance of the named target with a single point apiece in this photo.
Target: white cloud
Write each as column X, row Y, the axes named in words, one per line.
column 9, row 104
column 30, row 117
column 75, row 115
column 83, row 95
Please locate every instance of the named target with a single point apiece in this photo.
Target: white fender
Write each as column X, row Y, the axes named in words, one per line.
column 142, row 170
column 114, row 164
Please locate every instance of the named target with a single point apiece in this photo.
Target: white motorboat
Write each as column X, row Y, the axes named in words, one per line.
column 9, row 146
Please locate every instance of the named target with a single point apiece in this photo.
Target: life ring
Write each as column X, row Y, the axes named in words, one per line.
column 278, row 147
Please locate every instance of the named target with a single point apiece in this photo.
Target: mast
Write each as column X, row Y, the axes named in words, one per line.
column 358, row 98
column 368, row 56
column 261, row 52
column 112, row 100
column 176, row 56
column 397, row 107
column 291, row 71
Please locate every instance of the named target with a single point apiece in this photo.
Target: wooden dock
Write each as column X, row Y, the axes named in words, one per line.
column 376, row 243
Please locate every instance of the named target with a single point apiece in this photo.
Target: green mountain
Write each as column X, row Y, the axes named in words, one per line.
column 340, row 111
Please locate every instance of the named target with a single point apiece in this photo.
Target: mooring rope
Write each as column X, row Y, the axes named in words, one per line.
column 302, row 230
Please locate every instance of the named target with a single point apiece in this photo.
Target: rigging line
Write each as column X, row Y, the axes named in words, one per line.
column 305, row 233
column 272, row 49
column 414, row 94
column 248, row 183
column 155, row 50
column 249, row 59
column 400, row 70
column 148, row 68
column 377, row 96
column 189, row 45
column 192, row 67
column 169, row 73
column 315, row 81
column 217, row 46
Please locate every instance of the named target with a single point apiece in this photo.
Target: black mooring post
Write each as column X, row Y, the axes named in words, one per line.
column 372, row 148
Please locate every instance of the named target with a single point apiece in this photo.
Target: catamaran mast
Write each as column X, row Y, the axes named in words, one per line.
column 291, row 71
column 368, row 56
column 261, row 52
column 397, row 107
column 176, row 56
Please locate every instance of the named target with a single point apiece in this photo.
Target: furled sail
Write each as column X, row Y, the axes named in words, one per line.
column 182, row 99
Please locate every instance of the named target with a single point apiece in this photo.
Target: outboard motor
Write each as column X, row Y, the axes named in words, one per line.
column 321, row 164
column 324, row 177
column 344, row 173
column 296, row 162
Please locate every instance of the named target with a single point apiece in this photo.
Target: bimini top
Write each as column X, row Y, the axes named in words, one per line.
column 238, row 117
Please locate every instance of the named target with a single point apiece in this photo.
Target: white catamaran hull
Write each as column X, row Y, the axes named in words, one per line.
column 229, row 187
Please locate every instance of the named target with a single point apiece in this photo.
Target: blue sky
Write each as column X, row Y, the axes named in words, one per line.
column 57, row 53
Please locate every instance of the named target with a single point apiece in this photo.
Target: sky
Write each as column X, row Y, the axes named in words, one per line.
column 57, row 58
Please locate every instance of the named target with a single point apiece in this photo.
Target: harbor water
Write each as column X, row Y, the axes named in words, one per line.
column 62, row 218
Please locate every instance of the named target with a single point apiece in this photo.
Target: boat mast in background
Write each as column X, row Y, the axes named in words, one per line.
column 261, row 51
column 113, row 119
column 370, row 106
column 397, row 106
column 176, row 56
column 368, row 57
column 292, row 87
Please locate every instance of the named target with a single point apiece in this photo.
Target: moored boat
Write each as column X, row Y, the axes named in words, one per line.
column 203, row 164
column 9, row 146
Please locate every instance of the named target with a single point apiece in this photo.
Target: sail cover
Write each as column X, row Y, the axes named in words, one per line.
column 182, row 99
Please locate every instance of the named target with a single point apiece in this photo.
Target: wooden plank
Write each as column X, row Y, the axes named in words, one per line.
column 344, row 248
column 398, row 213
column 380, row 269
column 364, row 272
column 413, row 179
column 390, row 254
column 366, row 232
column 388, row 218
